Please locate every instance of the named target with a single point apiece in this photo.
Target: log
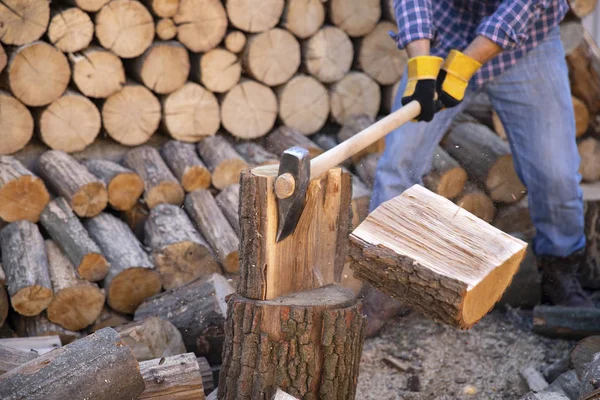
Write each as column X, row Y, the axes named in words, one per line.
column 487, row 160
column 201, row 24
column 136, row 218
column 88, row 5
column 16, row 131
column 97, row 73
column 160, row 185
column 378, row 55
column 249, row 110
column 41, row 327
column 124, row 187
column 446, row 177
column 151, row 338
column 583, row 353
column 356, row 93
column 224, row 163
column 131, row 115
column 166, row 29
column 177, row 377
column 24, row 195
column 474, row 200
column 582, row 117
column 589, row 151
column 198, row 310
column 285, row 137
column 434, row 266
column 303, row 104
column 204, row 211
column 566, row 322
column 367, row 167
column 589, row 380
column 23, row 22
column 218, row 70
column 109, row 318
column 70, row 30
column 70, row 179
column 235, row 41
column 355, row 124
column 582, row 8
column 12, row 358
column 25, row 264
column 272, row 57
column 131, row 277
column 317, row 358
column 70, row 123
column 355, row 17
column 162, row 8
column 191, row 113
column 255, row 15
column 480, row 108
column 76, row 303
column 163, row 68
column 254, row 154
column 328, row 54
column 124, row 27
column 228, row 201
column 61, row 223
column 303, row 18
column 184, row 162
column 62, row 373
column 180, row 253
column 36, row 87
column 316, row 251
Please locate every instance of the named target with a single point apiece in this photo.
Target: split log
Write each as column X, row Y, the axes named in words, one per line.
column 97, row 73
column 198, row 310
column 214, row 226
column 355, row 17
column 36, row 87
column 71, row 30
column 272, row 57
column 109, row 318
column 25, row 264
column 254, row 154
column 515, row 218
column 218, row 70
column 88, row 5
column 166, row 29
column 70, row 179
column 475, row 201
column 151, row 338
column 566, row 322
column 131, row 277
column 249, row 110
column 16, row 131
column 328, row 54
column 303, row 103
column 582, row 8
column 356, row 93
column 76, row 303
column 305, row 361
column 589, row 380
column 63, row 226
column 285, row 137
column 163, row 68
column 589, row 151
column 303, row 17
column 229, row 203
column 316, row 250
column 378, row 55
column 70, row 123
column 367, row 167
column 487, row 159
column 136, row 218
column 24, row 195
column 355, row 124
column 180, row 253
column 235, row 41
column 446, row 177
column 12, row 358
column 184, row 162
column 131, row 115
column 201, row 24
column 582, row 116
column 23, row 22
column 162, row 8
column 255, row 15
column 124, row 27
column 433, row 266
column 583, row 353
column 61, row 373
column 191, row 113
column 361, row 197
column 224, row 163
column 160, row 185
column 123, row 185
column 40, row 326
column 172, row 377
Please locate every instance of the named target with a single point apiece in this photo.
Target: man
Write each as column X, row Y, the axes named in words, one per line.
column 512, row 50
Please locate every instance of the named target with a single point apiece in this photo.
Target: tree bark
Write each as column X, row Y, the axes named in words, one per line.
column 303, row 104
column 201, row 24
column 151, row 338
column 355, row 124
column 163, row 68
column 328, row 54
column 162, row 8
column 229, row 203
column 356, row 93
column 22, row 22
column 254, row 154
column 166, row 29
column 224, row 163
column 124, row 186
column 285, row 137
column 589, row 379
column 218, row 70
column 16, row 131
column 184, row 162
column 70, row 30
column 12, row 358
column 235, row 41
column 446, row 177
column 355, row 17
column 41, row 328
column 303, row 17
column 378, row 55
column 207, row 374
column 255, row 15
column 176, row 377
column 131, row 277
column 566, row 322
column 475, row 201
column 97, row 73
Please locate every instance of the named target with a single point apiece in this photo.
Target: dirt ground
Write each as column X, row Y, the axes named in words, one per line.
column 445, row 363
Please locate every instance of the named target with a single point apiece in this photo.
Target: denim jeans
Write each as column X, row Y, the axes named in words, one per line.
column 533, row 101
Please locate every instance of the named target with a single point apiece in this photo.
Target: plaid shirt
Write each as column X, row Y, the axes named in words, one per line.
column 515, row 25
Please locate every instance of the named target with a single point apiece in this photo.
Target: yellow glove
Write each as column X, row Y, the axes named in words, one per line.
column 454, row 77
column 421, row 83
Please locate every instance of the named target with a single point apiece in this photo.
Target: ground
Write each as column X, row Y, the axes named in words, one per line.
column 446, row 363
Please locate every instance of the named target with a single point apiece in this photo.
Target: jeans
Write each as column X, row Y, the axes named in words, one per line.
column 533, row 101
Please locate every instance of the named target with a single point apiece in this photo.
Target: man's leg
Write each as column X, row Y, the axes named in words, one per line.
column 533, row 101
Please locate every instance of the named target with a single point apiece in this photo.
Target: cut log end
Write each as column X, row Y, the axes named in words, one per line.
column 235, row 41
column 232, row 263
column 503, row 182
column 93, row 267
column 23, row 21
column 97, row 73
column 166, row 29
column 478, row 204
column 228, row 173
column 452, row 183
column 132, row 286
column 196, row 177
column 90, row 199
column 165, row 192
column 71, row 30
column 76, row 307
column 32, row 300
column 16, row 131
column 201, row 24
column 249, row 17
column 23, row 198
column 124, row 190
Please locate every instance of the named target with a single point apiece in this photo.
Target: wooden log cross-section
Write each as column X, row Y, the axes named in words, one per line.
column 152, row 337
column 224, row 163
column 124, row 186
column 71, row 29
column 97, row 73
column 23, row 194
column 446, row 178
column 184, row 162
column 217, row 70
column 23, row 21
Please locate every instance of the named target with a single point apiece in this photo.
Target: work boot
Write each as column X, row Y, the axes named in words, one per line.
column 560, row 285
column 379, row 307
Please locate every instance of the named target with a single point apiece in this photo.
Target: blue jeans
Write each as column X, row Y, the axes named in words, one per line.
column 533, row 101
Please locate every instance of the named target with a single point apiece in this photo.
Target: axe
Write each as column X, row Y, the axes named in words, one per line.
column 296, row 169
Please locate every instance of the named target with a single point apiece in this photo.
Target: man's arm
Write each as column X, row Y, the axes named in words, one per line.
column 419, row 47
column 482, row 49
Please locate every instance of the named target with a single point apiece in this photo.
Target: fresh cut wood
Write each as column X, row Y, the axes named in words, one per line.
column 446, row 177
column 328, row 54
column 229, row 203
column 70, row 30
column 474, row 200
column 16, row 131
column 303, row 17
column 255, row 15
column 166, row 29
column 355, row 93
column 355, row 17
column 97, row 73
column 163, row 68
column 285, row 137
column 235, row 41
column 152, row 337
column 124, row 186
column 88, row 5
column 201, row 24
column 218, row 70
column 177, row 377
column 162, row 8
column 24, row 195
column 224, row 163
column 22, row 22
column 184, row 162
column 303, row 104
column 451, row 266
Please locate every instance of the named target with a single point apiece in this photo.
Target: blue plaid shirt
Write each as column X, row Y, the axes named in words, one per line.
column 516, row 26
